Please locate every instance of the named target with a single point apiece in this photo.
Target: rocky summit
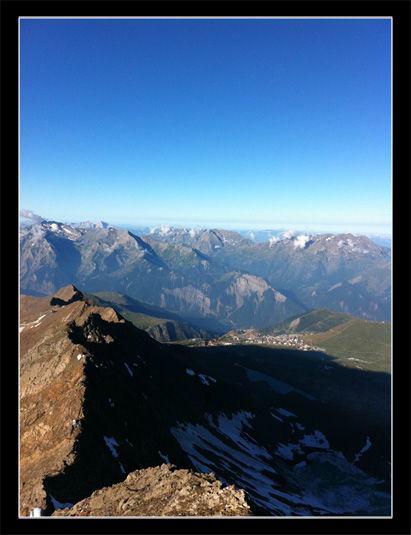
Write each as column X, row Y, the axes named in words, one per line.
column 163, row 491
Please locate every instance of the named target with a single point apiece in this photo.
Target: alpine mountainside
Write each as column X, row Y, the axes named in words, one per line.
column 177, row 278
column 160, row 324
column 343, row 272
column 97, row 399
column 101, row 402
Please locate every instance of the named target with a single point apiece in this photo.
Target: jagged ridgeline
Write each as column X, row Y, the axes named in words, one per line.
column 213, row 280
column 102, row 404
column 160, row 324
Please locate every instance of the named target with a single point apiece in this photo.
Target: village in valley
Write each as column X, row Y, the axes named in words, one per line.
column 251, row 336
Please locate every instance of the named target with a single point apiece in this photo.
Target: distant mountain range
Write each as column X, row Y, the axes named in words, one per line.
column 175, row 277
column 212, row 279
column 100, row 400
column 343, row 272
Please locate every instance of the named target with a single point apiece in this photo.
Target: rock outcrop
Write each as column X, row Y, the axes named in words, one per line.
column 97, row 400
column 163, row 491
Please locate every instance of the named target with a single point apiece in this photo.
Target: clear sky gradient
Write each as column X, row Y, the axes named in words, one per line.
column 229, row 123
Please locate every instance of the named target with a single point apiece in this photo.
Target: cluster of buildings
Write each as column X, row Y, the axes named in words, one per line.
column 255, row 337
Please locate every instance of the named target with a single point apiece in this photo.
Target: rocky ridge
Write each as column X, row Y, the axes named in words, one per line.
column 70, row 352
column 163, row 491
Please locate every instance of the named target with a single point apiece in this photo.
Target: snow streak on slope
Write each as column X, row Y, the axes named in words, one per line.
column 236, row 454
column 322, row 482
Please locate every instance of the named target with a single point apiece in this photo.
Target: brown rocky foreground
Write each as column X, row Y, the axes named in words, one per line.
column 163, row 491
column 60, row 438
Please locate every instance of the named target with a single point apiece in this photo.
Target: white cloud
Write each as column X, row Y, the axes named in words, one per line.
column 110, row 248
column 28, row 214
column 193, row 232
column 288, row 234
column 300, row 241
column 165, row 229
column 36, row 233
column 273, row 240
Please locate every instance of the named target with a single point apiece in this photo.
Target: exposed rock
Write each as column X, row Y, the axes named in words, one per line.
column 87, row 399
column 163, row 491
column 66, row 295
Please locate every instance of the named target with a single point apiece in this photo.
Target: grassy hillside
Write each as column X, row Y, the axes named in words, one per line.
column 359, row 343
column 317, row 320
column 353, row 341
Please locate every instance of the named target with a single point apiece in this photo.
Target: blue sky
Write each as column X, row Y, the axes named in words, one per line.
column 229, row 123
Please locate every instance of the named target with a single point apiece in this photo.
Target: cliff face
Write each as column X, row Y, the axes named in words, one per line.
column 163, row 491
column 95, row 404
column 51, row 392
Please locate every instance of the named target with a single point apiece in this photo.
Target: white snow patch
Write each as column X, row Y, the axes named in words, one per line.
column 36, row 322
column 237, row 452
column 287, row 451
column 315, row 440
column 277, row 418
column 335, row 286
column 286, row 413
column 300, row 465
column 59, row 505
column 79, row 356
column 165, row 457
column 226, row 447
column 365, row 448
column 68, row 231
column 206, row 378
column 190, row 372
column 341, row 489
column 128, row 368
column 122, row 468
column 111, row 402
column 111, row 443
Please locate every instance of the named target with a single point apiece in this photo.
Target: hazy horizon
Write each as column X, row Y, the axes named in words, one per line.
column 28, row 217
